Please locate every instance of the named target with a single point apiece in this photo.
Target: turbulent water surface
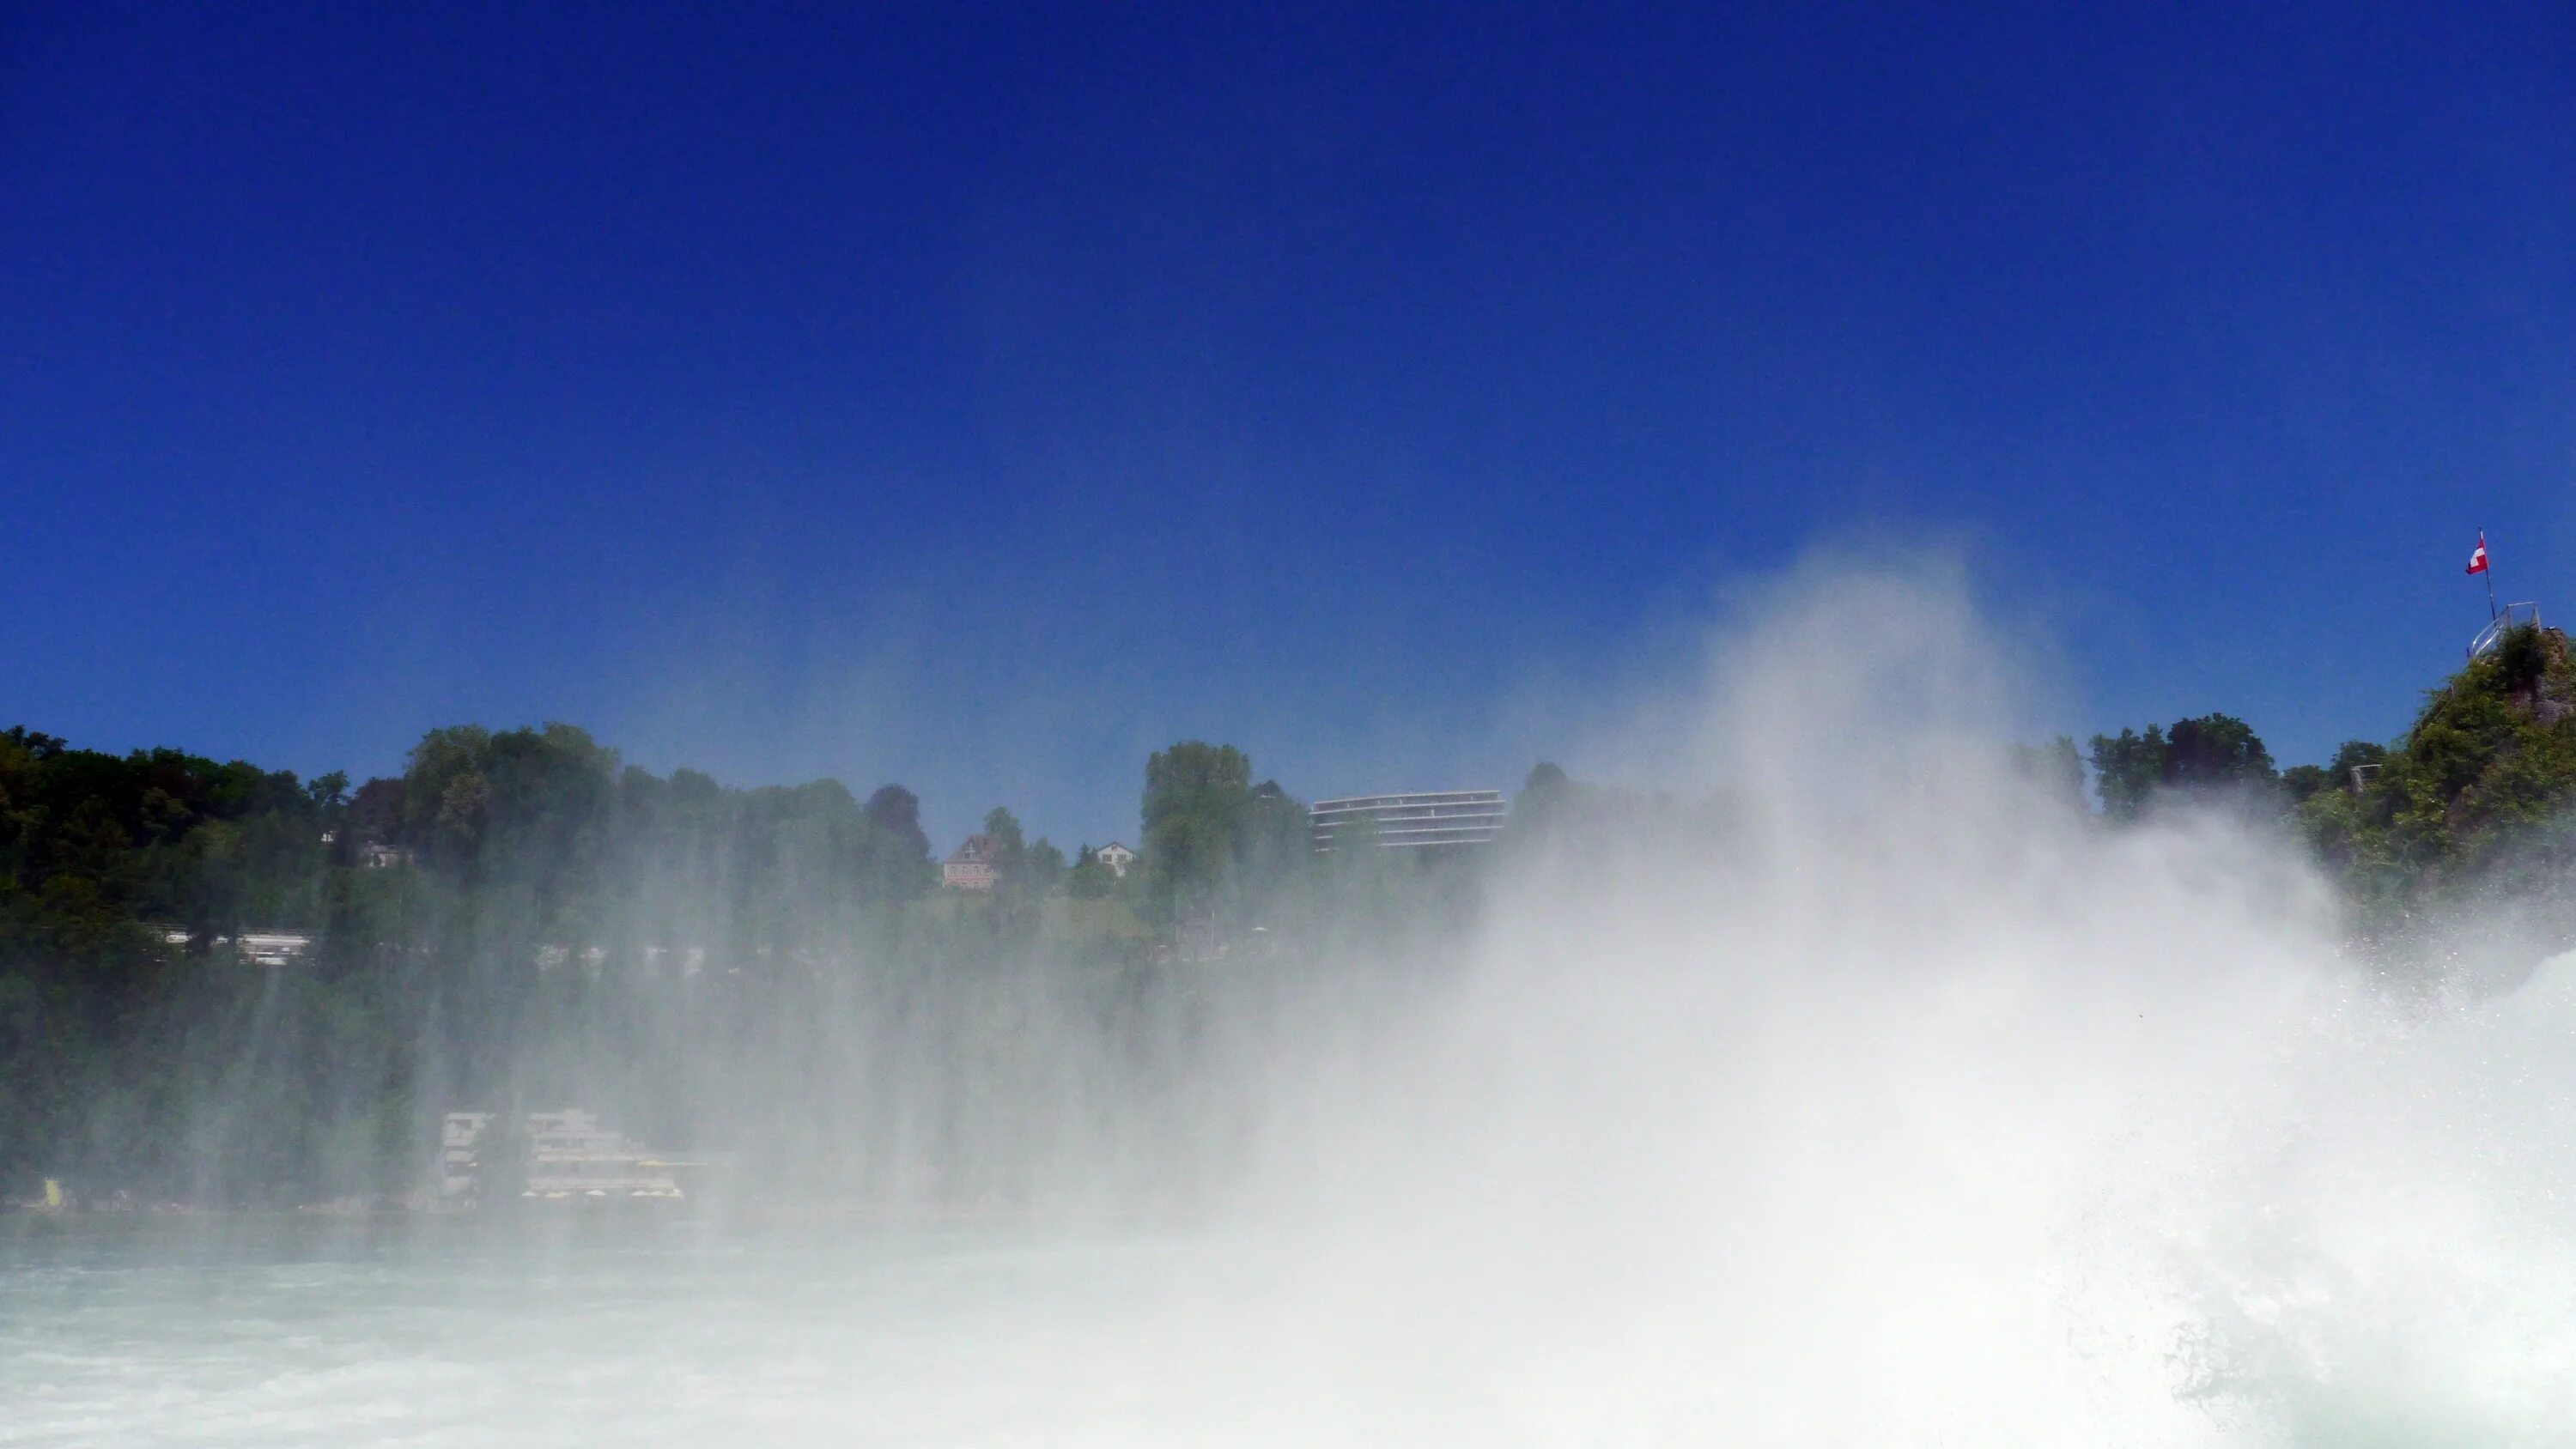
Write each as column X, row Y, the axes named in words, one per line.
column 434, row 1336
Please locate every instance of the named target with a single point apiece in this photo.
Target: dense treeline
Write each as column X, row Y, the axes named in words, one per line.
column 519, row 919
column 508, row 890
column 2466, row 809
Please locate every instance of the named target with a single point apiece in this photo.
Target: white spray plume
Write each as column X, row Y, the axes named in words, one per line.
column 1887, row 1101
column 1909, row 1106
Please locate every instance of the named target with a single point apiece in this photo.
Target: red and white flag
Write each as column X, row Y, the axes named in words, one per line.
column 2478, row 560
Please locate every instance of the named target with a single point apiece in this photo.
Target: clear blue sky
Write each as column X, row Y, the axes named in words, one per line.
column 979, row 398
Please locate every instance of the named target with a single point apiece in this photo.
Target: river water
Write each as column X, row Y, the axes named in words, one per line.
column 284, row 1334
column 292, row 1334
column 2009, row 1210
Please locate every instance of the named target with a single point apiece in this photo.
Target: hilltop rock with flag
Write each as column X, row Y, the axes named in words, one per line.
column 2473, row 802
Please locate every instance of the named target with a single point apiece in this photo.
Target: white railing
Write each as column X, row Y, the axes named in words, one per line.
column 2512, row 616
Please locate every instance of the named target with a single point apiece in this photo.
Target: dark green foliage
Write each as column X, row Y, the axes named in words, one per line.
column 1006, row 845
column 1218, row 849
column 2127, row 768
column 103, row 861
column 1197, row 796
column 1027, row 874
column 1274, row 849
column 2467, row 815
column 520, row 918
column 897, row 812
column 1043, row 871
column 2303, row 783
column 532, row 885
column 2212, row 756
column 2215, row 751
column 2471, row 802
column 1089, row 880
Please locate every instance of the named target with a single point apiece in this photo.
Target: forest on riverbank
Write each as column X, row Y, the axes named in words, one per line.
column 522, row 918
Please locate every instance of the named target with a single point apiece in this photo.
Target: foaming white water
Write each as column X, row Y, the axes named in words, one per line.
column 972, row 1339
column 1915, row 1108
column 1890, row 1103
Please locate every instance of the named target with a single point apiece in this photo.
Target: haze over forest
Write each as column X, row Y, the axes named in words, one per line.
column 519, row 917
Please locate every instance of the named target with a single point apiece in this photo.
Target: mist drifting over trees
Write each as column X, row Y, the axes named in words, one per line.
column 2220, row 1111
column 521, row 919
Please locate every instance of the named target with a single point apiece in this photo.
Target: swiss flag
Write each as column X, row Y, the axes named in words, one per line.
column 2478, row 560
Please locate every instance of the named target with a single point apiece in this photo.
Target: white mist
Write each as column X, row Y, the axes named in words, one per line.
column 1891, row 1104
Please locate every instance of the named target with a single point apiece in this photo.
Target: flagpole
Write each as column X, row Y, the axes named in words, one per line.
column 2489, row 571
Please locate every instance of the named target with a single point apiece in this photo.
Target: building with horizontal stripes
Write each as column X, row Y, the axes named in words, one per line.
column 1414, row 821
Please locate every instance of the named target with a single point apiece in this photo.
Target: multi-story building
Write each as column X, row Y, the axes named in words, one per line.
column 1415, row 821
column 1115, row 858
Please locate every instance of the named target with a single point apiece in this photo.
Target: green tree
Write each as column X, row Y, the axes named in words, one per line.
column 2127, row 768
column 896, row 861
column 1008, row 848
column 2302, row 783
column 897, row 811
column 1025, row 873
column 2054, row 769
column 2207, row 755
column 331, row 790
column 1275, row 849
column 1043, row 869
column 1196, row 798
column 1089, row 880
column 2215, row 751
